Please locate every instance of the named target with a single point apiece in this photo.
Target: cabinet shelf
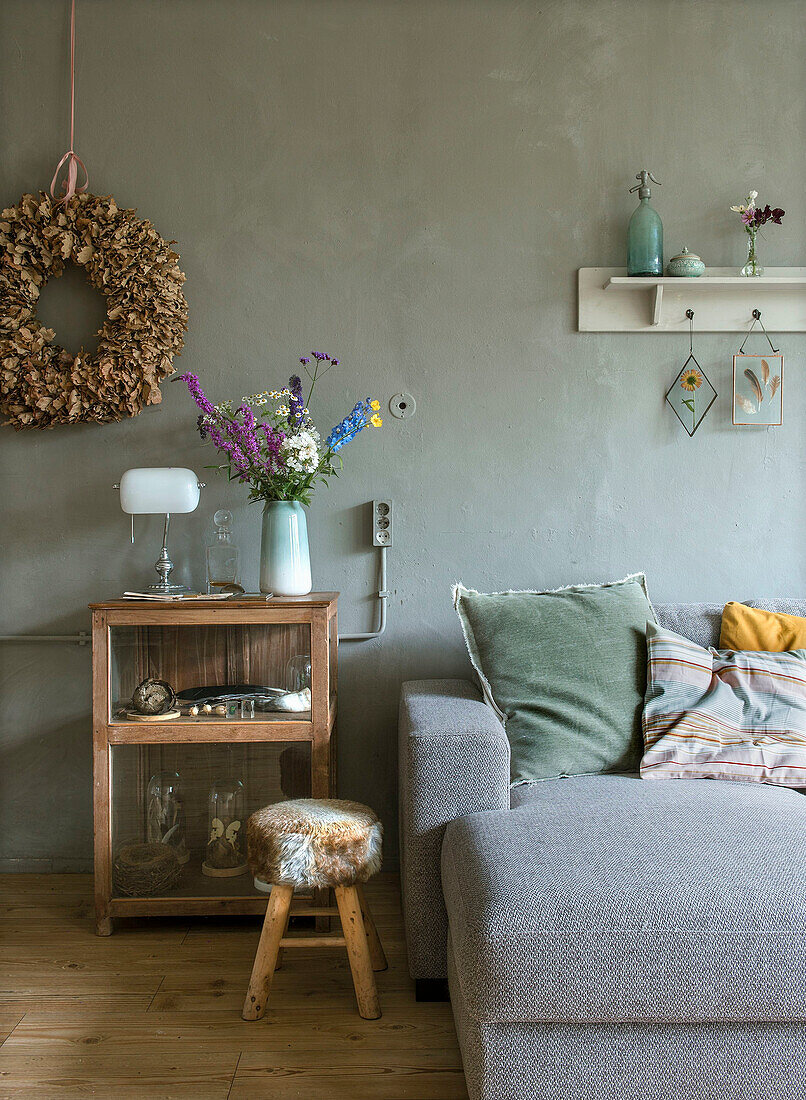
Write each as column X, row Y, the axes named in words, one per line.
column 611, row 301
column 205, row 733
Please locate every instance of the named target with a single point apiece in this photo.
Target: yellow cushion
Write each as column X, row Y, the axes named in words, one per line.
column 749, row 628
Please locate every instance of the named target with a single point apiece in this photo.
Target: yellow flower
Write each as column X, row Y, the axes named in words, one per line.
column 691, row 380
column 376, row 420
column 374, row 405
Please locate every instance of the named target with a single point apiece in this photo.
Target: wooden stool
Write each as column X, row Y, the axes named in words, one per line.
column 316, row 843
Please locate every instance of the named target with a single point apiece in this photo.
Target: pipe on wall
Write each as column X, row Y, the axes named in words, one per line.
column 82, row 638
column 383, row 596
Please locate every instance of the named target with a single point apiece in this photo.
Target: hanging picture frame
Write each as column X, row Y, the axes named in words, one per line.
column 691, row 394
column 758, row 390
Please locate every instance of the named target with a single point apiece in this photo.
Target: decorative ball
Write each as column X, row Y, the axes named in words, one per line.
column 153, row 697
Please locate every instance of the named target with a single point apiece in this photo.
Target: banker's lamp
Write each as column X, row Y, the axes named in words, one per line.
column 163, row 490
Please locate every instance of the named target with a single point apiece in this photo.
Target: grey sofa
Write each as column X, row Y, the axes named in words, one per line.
column 603, row 937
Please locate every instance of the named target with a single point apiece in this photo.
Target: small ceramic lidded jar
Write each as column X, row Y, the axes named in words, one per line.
column 686, row 265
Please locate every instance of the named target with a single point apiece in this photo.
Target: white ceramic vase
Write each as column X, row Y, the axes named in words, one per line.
column 285, row 560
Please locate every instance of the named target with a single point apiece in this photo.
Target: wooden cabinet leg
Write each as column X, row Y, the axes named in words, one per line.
column 103, row 925
column 266, row 957
column 366, row 993
column 376, row 952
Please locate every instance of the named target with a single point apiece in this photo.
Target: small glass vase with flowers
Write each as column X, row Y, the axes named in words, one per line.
column 753, row 218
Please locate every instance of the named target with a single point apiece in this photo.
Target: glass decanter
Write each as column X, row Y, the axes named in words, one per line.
column 222, row 554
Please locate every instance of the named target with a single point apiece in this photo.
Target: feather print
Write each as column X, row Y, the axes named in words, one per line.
column 776, row 382
column 755, row 385
column 743, row 403
column 765, row 371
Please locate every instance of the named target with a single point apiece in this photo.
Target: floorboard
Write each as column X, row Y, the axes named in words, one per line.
column 8, row 1021
column 154, row 1010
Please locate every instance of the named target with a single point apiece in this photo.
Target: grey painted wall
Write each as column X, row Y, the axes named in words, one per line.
column 410, row 186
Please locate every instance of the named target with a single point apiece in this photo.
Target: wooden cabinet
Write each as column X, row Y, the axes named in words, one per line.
column 246, row 646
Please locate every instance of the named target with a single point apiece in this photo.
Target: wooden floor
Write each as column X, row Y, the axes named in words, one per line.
column 154, row 1010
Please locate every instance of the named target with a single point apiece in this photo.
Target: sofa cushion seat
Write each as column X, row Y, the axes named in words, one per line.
column 607, row 898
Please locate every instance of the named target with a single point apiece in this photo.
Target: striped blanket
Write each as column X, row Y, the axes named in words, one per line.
column 719, row 714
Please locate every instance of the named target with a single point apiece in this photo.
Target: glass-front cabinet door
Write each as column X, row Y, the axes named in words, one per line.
column 210, row 672
column 179, row 813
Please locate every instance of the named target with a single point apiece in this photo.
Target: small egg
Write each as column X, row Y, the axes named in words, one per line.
column 207, row 708
column 194, row 710
column 221, row 709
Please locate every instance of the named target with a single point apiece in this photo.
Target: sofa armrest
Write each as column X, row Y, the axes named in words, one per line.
column 453, row 760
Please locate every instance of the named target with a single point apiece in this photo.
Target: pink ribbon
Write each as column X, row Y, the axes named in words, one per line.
column 70, row 185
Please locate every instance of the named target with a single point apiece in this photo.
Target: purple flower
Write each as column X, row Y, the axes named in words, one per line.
column 304, row 360
column 748, row 216
column 197, row 393
column 296, row 403
column 245, row 433
column 777, row 214
column 272, row 442
column 230, row 449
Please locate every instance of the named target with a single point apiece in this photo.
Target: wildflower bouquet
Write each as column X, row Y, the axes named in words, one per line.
column 270, row 441
column 753, row 217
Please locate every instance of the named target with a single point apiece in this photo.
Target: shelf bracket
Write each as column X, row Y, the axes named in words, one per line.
column 657, row 303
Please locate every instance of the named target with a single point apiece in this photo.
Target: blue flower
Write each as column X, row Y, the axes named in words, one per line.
column 349, row 428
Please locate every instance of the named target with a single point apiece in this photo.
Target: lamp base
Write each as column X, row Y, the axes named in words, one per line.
column 167, row 589
column 164, row 567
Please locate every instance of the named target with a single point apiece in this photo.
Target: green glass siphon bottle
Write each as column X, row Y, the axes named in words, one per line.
column 645, row 233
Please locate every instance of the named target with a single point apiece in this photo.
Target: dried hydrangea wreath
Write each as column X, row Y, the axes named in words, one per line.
column 41, row 384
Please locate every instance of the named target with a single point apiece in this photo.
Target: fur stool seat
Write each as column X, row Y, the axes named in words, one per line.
column 316, row 843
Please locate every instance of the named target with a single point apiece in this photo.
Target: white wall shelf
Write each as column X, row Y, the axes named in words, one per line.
column 722, row 300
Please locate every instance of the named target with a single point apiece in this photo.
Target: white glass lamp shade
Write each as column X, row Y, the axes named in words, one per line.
column 160, row 489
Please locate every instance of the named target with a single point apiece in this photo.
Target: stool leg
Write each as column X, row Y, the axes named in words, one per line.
column 375, row 948
column 279, row 962
column 266, row 957
column 366, row 993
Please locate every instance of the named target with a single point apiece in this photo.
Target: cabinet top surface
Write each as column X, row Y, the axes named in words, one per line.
column 313, row 599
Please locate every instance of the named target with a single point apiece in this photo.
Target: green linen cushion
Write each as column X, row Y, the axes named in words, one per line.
column 565, row 671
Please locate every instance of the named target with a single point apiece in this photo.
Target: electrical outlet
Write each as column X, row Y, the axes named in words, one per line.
column 381, row 523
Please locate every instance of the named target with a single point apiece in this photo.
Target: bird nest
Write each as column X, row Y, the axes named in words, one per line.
column 142, row 870
column 41, row 384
